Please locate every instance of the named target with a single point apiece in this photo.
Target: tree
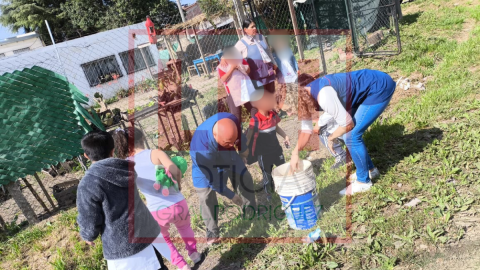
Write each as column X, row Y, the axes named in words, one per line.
column 31, row 15
column 73, row 18
column 212, row 8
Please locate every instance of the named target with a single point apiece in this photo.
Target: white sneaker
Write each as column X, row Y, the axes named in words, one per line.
column 195, row 257
column 356, row 187
column 373, row 175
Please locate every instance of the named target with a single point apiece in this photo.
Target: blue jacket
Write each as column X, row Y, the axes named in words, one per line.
column 211, row 162
column 357, row 87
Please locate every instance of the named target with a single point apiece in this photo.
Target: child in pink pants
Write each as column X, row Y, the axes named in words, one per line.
column 166, row 210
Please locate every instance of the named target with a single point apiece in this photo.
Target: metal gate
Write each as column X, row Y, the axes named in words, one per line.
column 374, row 26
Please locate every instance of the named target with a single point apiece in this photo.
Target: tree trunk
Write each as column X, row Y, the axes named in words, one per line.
column 23, row 204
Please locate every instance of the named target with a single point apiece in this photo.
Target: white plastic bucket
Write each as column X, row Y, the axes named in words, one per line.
column 298, row 195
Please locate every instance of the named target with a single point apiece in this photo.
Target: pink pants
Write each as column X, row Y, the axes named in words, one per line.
column 179, row 215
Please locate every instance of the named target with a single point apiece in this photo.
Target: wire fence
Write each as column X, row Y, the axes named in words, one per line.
column 170, row 87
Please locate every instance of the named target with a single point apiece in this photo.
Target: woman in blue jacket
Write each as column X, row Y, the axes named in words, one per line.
column 355, row 100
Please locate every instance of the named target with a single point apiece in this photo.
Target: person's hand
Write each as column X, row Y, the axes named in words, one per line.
column 237, row 200
column 287, row 142
column 90, row 243
column 275, row 67
column 293, row 164
column 175, row 174
column 223, row 63
column 244, row 156
column 316, row 129
column 331, row 142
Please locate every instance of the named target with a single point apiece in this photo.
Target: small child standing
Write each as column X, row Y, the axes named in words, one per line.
column 262, row 137
column 104, row 202
column 236, row 80
column 287, row 73
column 166, row 210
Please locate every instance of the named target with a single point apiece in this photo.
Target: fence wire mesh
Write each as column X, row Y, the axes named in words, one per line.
column 170, row 87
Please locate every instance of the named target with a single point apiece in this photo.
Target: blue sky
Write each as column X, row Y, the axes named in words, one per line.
column 5, row 32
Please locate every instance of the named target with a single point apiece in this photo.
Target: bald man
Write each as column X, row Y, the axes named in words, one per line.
column 215, row 159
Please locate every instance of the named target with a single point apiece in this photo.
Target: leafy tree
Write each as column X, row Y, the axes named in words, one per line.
column 73, row 18
column 31, row 15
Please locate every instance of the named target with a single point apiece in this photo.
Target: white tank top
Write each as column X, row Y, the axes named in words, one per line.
column 146, row 178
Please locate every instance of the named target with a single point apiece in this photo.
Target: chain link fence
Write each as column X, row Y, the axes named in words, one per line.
column 170, row 87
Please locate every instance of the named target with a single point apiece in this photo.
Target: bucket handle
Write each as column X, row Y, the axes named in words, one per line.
column 289, row 203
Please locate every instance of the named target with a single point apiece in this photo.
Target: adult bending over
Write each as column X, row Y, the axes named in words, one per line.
column 214, row 158
column 363, row 94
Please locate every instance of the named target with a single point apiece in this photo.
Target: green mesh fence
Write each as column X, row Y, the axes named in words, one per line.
column 42, row 121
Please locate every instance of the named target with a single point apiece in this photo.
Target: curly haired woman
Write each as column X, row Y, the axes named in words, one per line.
column 355, row 100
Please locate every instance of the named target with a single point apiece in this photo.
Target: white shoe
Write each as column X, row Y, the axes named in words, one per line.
column 373, row 175
column 195, row 257
column 356, row 187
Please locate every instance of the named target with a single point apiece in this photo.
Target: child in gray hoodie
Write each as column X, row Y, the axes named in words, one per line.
column 109, row 205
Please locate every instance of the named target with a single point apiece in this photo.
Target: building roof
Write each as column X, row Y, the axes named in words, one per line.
column 19, row 38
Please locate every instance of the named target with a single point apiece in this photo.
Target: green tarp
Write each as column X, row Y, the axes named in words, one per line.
column 42, row 121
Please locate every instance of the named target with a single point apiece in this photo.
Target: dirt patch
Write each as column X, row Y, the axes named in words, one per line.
column 463, row 35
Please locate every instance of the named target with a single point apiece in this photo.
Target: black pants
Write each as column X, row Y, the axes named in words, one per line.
column 266, row 163
column 160, row 259
column 209, row 207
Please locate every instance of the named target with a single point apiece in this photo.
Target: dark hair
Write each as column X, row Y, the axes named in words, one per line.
column 97, row 145
column 247, row 23
column 122, row 139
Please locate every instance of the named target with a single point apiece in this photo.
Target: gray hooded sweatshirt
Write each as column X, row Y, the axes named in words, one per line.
column 109, row 204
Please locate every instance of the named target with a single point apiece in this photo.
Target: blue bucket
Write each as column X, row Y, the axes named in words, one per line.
column 303, row 211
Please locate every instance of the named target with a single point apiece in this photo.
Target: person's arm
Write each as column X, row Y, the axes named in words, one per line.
column 282, row 133
column 227, row 75
column 330, row 103
column 90, row 217
column 161, row 158
column 303, row 138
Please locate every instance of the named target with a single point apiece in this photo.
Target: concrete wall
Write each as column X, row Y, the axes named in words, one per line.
column 82, row 50
column 32, row 43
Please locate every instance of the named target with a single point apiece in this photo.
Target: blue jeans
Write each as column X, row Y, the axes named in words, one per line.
column 364, row 116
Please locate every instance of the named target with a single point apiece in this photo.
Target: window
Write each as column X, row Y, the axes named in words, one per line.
column 136, row 59
column 21, row 50
column 102, row 70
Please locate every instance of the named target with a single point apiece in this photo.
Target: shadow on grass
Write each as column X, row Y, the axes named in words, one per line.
column 388, row 144
column 410, row 18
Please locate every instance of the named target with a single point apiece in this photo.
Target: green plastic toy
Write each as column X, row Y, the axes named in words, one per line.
column 163, row 177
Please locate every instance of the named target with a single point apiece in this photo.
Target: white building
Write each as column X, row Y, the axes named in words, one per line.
column 95, row 63
column 20, row 44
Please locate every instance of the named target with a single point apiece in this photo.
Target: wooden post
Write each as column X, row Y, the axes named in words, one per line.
column 3, row 224
column 44, row 190
column 201, row 52
column 14, row 189
column 295, row 29
column 35, row 194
